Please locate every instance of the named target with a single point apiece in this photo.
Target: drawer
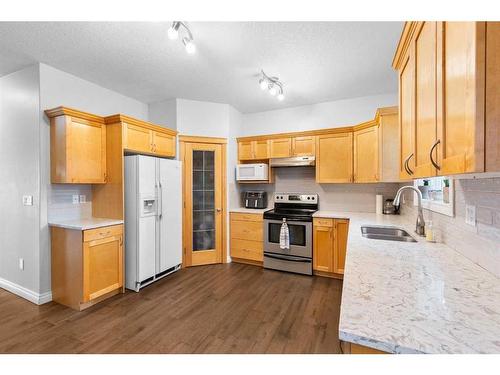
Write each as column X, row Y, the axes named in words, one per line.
column 245, row 249
column 321, row 222
column 247, row 230
column 246, row 217
column 103, row 232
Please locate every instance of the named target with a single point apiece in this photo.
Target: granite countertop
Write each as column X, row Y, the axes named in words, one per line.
column 419, row 297
column 250, row 210
column 84, row 224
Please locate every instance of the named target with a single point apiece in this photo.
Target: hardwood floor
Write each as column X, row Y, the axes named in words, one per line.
column 227, row 308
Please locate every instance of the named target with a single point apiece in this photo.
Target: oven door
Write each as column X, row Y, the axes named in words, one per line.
column 300, row 238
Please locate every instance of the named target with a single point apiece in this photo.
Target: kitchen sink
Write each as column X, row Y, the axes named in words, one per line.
column 386, row 233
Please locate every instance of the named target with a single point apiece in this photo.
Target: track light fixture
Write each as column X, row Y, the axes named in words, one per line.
column 273, row 85
column 187, row 40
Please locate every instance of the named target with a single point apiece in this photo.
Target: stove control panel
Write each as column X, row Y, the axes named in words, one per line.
column 295, row 198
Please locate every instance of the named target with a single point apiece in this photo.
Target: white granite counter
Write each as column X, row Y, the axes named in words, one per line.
column 419, row 297
column 84, row 224
column 250, row 210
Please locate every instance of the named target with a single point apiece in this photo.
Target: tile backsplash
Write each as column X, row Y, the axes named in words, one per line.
column 340, row 197
column 480, row 243
column 60, row 198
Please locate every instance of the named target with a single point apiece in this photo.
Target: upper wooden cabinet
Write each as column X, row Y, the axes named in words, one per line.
column 304, row 146
column 366, row 154
column 253, row 150
column 280, row 147
column 388, row 144
column 449, row 98
column 144, row 137
column 77, row 147
column 334, row 158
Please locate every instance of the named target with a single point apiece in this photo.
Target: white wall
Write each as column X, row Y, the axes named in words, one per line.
column 316, row 116
column 202, row 118
column 164, row 113
column 19, row 175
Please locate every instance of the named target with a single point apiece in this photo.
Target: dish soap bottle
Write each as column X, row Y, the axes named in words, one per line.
column 429, row 232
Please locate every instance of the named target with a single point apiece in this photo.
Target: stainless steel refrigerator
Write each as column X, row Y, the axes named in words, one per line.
column 153, row 219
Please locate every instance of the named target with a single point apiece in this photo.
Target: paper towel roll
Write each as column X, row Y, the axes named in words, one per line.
column 379, row 204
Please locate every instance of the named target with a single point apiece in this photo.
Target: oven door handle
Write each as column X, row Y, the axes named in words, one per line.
column 288, row 258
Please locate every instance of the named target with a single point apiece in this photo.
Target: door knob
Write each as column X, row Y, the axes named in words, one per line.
column 218, row 209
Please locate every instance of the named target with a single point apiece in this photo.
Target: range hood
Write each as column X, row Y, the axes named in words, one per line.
column 297, row 161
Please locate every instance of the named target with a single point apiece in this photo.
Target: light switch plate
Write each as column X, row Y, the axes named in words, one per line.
column 21, row 264
column 76, row 198
column 83, row 198
column 28, row 200
column 470, row 215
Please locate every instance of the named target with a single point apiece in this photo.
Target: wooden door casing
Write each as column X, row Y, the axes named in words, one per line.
column 209, row 256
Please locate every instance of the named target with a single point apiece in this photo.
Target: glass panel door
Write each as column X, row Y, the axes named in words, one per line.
column 203, row 200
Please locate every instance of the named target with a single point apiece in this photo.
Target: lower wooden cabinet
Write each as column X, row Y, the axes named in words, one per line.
column 329, row 246
column 247, row 244
column 87, row 266
column 351, row 348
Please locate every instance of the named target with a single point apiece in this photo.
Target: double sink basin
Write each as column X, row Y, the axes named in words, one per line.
column 387, row 233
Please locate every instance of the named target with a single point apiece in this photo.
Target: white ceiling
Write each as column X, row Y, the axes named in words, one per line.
column 316, row 61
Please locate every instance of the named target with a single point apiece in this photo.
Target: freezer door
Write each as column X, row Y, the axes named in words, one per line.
column 170, row 214
column 147, row 176
column 146, row 247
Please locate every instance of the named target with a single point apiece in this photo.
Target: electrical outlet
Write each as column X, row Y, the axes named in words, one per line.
column 83, row 198
column 76, row 199
column 470, row 215
column 28, row 200
column 21, row 264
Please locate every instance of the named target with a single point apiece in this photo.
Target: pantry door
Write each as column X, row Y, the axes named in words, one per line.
column 204, row 165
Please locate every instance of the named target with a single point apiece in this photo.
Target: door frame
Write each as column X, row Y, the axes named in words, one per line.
column 183, row 140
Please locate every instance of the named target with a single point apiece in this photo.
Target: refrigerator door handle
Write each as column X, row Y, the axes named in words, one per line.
column 160, row 210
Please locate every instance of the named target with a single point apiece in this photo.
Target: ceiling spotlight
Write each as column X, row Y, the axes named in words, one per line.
column 173, row 31
column 273, row 84
column 187, row 40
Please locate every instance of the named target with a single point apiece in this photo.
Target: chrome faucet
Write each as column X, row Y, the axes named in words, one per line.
column 420, row 227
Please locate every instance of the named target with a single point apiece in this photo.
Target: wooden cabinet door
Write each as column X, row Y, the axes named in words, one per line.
column 323, row 245
column 424, row 50
column 86, row 152
column 281, row 147
column 341, row 231
column 366, row 163
column 406, row 118
column 261, row 149
column 138, row 139
column 304, row 146
column 461, row 63
column 102, row 266
column 245, row 150
column 163, row 144
column 334, row 158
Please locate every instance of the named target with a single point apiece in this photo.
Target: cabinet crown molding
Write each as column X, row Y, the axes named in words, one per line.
column 66, row 111
column 113, row 119
column 404, row 43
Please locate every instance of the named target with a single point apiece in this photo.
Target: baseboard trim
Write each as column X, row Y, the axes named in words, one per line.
column 36, row 298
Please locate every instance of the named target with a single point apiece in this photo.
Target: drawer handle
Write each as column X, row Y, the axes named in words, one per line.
column 105, row 233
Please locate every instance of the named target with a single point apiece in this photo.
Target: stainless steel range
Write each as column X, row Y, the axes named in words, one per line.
column 296, row 210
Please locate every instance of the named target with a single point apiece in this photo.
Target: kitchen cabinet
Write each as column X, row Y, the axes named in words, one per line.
column 329, row 246
column 253, row 150
column 334, row 158
column 145, row 138
column 304, row 146
column 388, row 144
column 280, row 147
column 77, row 147
column 366, row 154
column 87, row 265
column 247, row 244
column 448, row 83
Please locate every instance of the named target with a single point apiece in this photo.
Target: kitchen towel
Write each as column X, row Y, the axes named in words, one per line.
column 284, row 236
